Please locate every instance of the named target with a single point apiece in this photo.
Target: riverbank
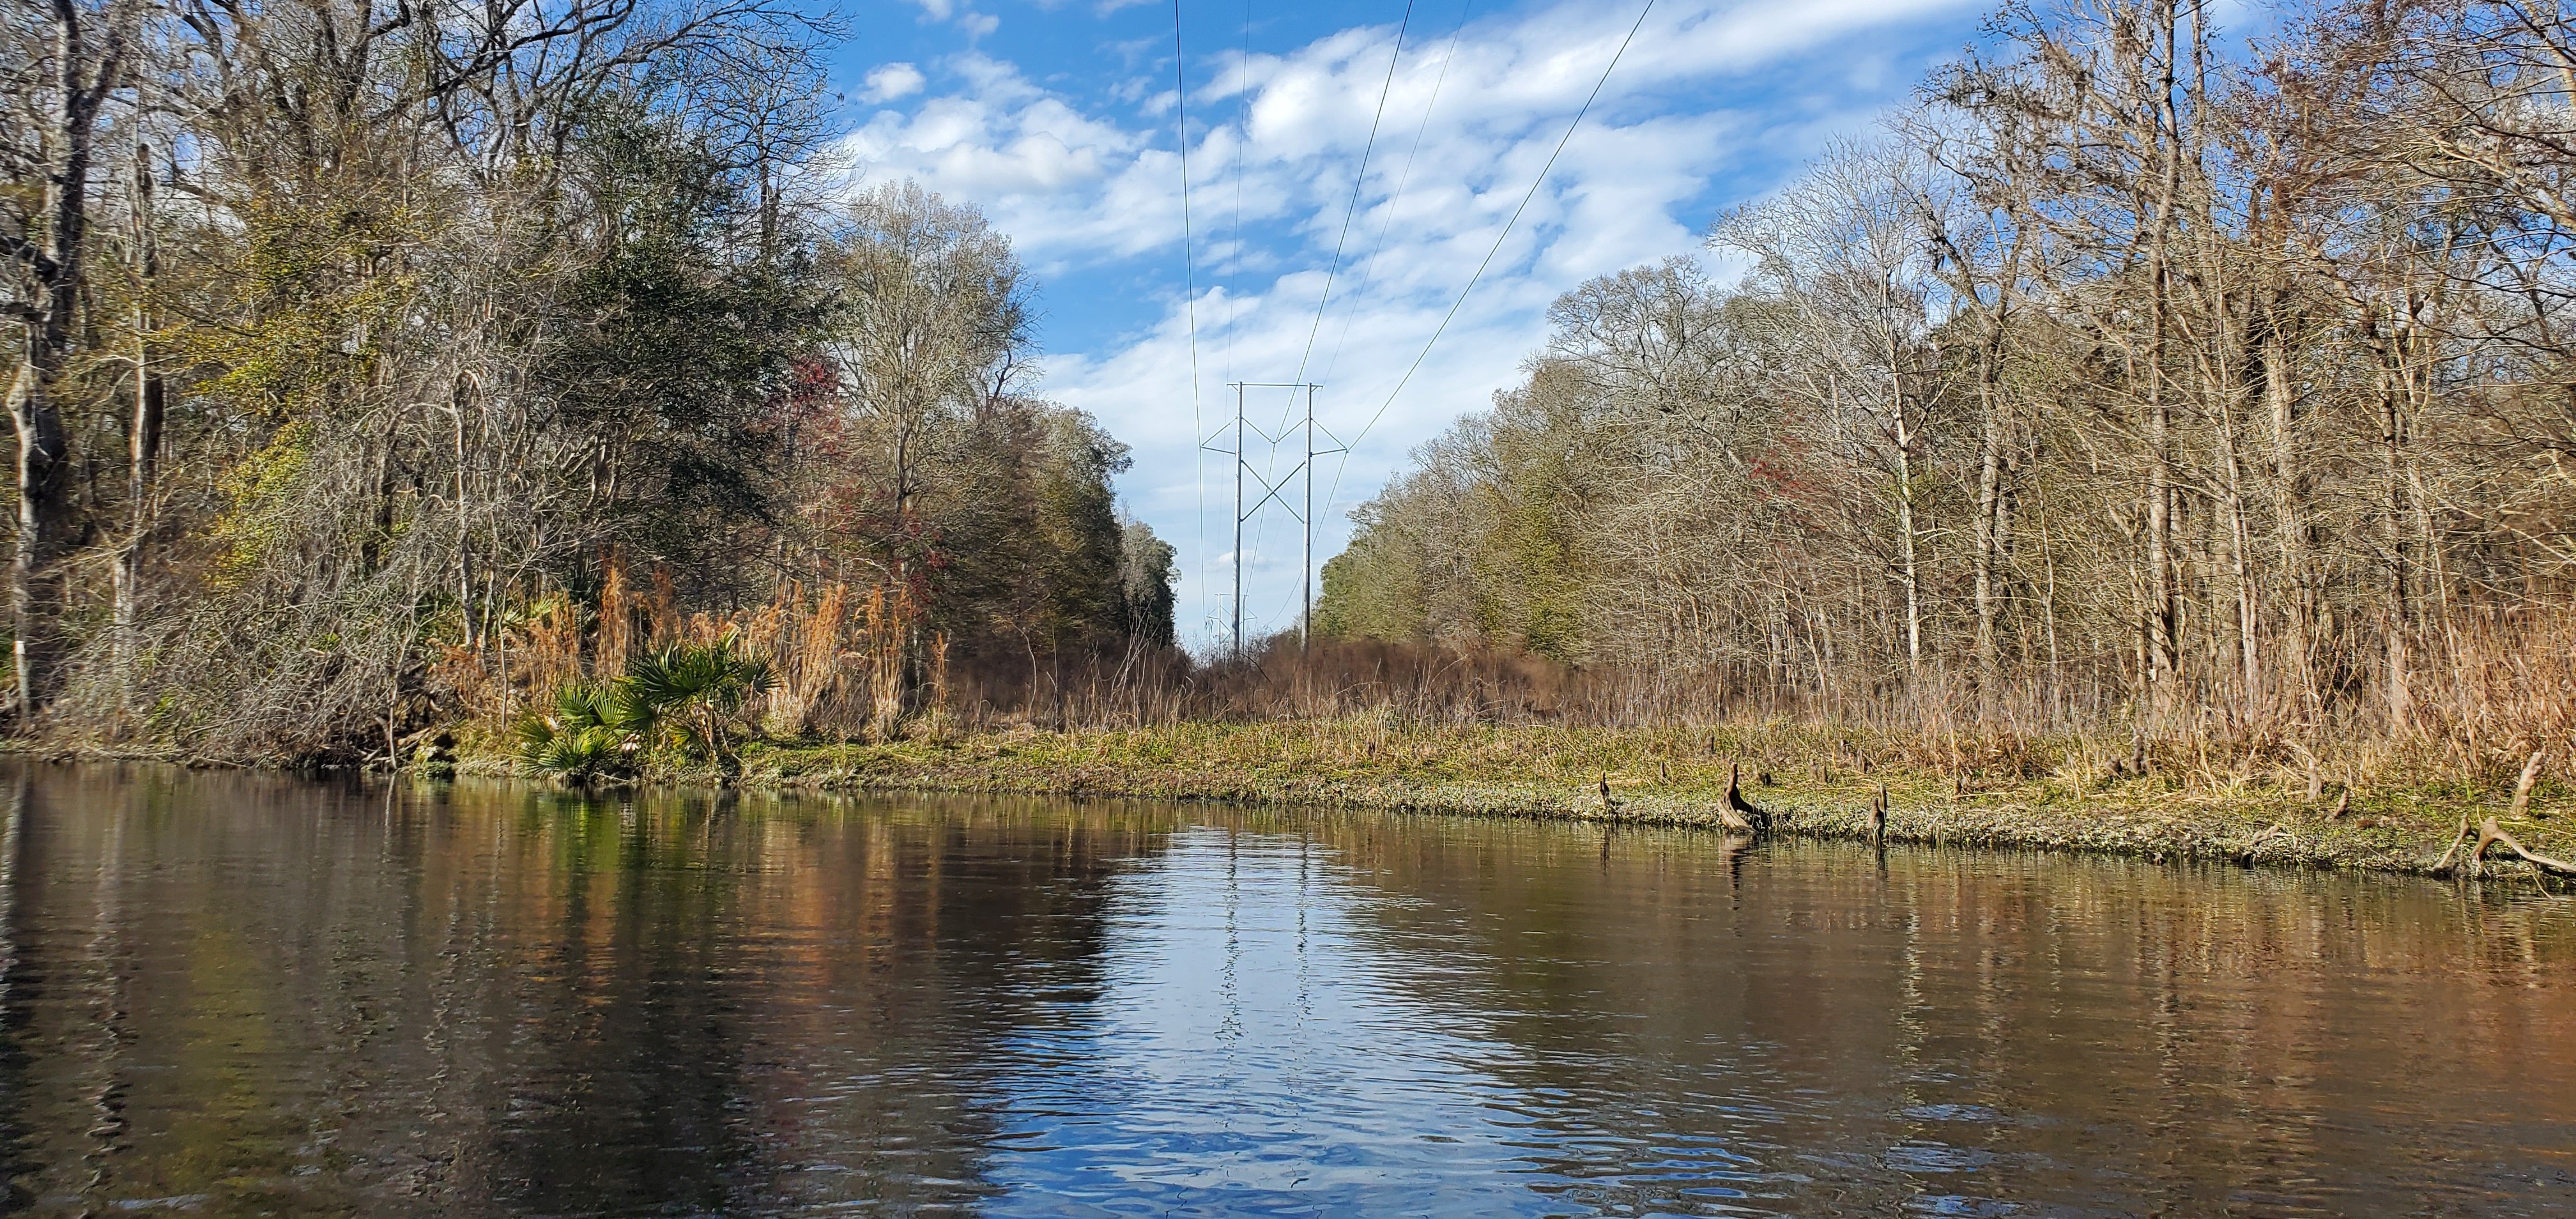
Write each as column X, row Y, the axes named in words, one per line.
column 2064, row 794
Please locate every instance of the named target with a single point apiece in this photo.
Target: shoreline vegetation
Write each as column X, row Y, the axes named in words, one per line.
column 2056, row 795
column 2136, row 443
column 2066, row 794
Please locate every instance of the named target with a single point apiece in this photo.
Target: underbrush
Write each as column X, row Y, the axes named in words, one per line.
column 1789, row 756
column 2380, row 809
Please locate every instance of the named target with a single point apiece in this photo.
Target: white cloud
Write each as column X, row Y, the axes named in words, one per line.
column 1693, row 101
column 892, row 81
column 1047, row 174
column 976, row 24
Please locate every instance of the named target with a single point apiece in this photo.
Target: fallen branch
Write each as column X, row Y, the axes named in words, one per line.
column 2489, row 834
column 2442, row 866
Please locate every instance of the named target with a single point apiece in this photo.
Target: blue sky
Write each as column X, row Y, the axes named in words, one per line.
column 1058, row 119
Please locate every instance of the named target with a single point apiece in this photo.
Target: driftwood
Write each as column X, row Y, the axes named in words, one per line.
column 2489, row 834
column 1738, row 813
column 2522, row 786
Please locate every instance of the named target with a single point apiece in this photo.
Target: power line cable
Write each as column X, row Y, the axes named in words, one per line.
column 1242, row 144
column 1508, row 225
column 1368, row 267
column 1189, row 281
column 1333, row 268
column 1242, row 139
column 1499, row 238
column 1369, row 264
column 1358, row 181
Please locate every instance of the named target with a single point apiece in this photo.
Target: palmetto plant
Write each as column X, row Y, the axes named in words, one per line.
column 696, row 690
column 592, row 730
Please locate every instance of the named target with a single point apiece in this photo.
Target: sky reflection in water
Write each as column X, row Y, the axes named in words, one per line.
column 233, row 994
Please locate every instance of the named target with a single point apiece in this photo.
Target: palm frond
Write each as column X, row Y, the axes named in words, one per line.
column 694, row 687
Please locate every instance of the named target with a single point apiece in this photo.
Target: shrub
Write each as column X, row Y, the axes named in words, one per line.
column 697, row 691
column 593, row 731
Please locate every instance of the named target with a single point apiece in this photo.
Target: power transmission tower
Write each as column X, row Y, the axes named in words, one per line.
column 1270, row 491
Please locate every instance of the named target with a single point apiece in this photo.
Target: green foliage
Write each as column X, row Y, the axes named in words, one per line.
column 994, row 509
column 594, row 731
column 679, row 349
column 694, row 691
column 317, row 297
column 1072, row 535
column 1374, row 589
column 1487, row 541
column 254, row 490
column 1145, row 576
column 400, row 354
column 689, row 696
column 1027, row 552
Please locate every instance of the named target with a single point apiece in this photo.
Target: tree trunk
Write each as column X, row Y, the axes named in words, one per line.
column 1989, row 531
column 2240, row 539
column 41, row 450
column 1913, row 574
column 143, row 439
column 2163, row 633
column 459, row 398
column 58, row 231
column 1905, row 524
column 2393, row 536
column 2289, row 526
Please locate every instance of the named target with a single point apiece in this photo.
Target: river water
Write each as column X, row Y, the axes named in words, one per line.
column 236, row 994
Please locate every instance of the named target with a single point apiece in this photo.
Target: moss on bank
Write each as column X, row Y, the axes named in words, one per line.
column 2060, row 795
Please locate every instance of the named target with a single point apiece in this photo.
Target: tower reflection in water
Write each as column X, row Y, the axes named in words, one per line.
column 233, row 994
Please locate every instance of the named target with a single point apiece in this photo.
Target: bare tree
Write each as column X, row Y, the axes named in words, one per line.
column 81, row 60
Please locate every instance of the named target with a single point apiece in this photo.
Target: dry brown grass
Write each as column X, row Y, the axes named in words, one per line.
column 2494, row 690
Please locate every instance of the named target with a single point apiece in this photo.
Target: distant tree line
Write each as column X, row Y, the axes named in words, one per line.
column 380, row 364
column 2124, row 375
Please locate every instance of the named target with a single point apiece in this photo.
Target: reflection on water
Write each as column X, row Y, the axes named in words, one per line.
column 226, row 994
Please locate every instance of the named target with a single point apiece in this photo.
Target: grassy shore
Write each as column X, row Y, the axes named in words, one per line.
column 1997, row 792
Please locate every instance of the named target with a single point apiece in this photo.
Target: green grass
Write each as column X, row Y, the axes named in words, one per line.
column 2009, row 792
